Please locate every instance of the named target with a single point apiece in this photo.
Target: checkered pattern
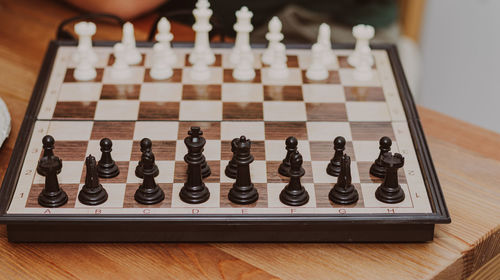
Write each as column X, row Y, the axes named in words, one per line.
column 79, row 114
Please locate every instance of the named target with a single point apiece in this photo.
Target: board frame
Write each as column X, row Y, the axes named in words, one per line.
column 398, row 227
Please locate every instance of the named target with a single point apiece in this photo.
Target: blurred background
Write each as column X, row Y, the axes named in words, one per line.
column 449, row 48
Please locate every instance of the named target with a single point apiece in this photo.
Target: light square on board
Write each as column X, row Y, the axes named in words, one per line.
column 200, row 110
column 128, row 91
column 305, row 60
column 70, row 173
column 80, row 92
column 77, row 110
column 371, row 131
column 294, row 77
column 155, row 130
column 369, row 150
column 215, row 76
column 158, row 111
column 367, row 112
column 234, row 92
column 116, row 130
column 327, row 131
column 333, row 112
column 322, row 93
column 371, row 201
column 161, row 92
column 213, row 201
column 274, row 190
column 136, row 76
column 121, row 178
column 242, row 111
column 166, row 174
column 116, row 195
column 284, row 111
column 251, row 130
column 226, row 61
column 347, row 78
column 117, row 110
column 121, row 149
column 69, row 130
column 276, row 150
column 366, row 177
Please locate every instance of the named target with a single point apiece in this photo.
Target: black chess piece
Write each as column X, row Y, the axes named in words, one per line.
column 291, row 146
column 243, row 190
column 92, row 192
column 390, row 191
column 106, row 167
column 146, row 146
column 205, row 169
column 294, row 194
column 194, row 190
column 377, row 169
column 333, row 167
column 344, row 192
column 149, row 192
column 48, row 151
column 232, row 166
column 51, row 195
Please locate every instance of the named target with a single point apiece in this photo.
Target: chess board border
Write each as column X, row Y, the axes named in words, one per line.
column 398, row 227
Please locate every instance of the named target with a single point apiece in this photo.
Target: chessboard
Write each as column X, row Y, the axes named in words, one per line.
column 79, row 114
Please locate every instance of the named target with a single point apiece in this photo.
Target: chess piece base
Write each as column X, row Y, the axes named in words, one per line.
column 107, row 170
column 294, row 197
column 333, row 169
column 195, row 195
column 149, row 196
column 139, row 172
column 390, row 195
column 377, row 170
column 52, row 199
column 93, row 197
column 343, row 196
column 243, row 195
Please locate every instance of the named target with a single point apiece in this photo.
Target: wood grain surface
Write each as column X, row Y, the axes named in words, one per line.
column 467, row 159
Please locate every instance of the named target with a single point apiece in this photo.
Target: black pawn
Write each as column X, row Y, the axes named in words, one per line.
column 149, row 192
column 146, row 146
column 377, row 169
column 333, row 167
column 194, row 190
column 294, row 194
column 291, row 146
column 232, row 166
column 106, row 167
column 92, row 193
column 343, row 192
column 243, row 191
column 52, row 195
column 48, row 152
column 390, row 191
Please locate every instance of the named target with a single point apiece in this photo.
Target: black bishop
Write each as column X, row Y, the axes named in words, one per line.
column 344, row 192
column 232, row 166
column 291, row 146
column 92, row 192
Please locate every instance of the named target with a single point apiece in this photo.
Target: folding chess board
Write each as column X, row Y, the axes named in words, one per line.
column 79, row 114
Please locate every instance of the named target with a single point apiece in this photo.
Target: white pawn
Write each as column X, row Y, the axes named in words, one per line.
column 85, row 70
column 85, row 30
column 120, row 69
column 274, row 36
column 317, row 71
column 244, row 68
column 278, row 69
column 363, row 33
column 363, row 70
column 200, row 70
column 161, row 69
column 164, row 37
column 132, row 54
column 324, row 38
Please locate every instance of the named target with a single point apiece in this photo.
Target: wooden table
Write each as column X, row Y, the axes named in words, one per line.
column 467, row 159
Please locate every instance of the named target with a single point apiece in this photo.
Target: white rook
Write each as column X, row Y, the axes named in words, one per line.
column 85, row 30
column 202, row 26
column 243, row 27
column 363, row 33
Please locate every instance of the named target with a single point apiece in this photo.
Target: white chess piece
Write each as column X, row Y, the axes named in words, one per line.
column 132, row 54
column 363, row 33
column 363, row 70
column 161, row 69
column 85, row 70
column 243, row 27
column 278, row 69
column 324, row 38
column 202, row 26
column 4, row 122
column 200, row 71
column 317, row 70
column 120, row 69
column 244, row 68
column 274, row 36
column 164, row 37
column 85, row 30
